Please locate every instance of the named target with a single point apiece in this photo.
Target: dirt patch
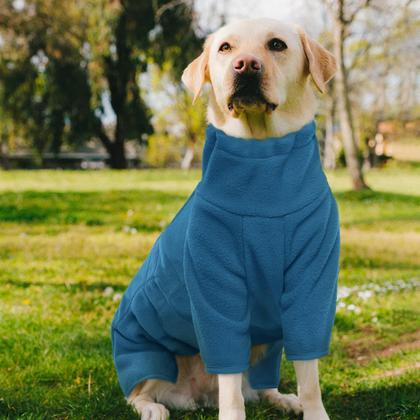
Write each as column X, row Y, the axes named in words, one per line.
column 396, row 372
column 363, row 350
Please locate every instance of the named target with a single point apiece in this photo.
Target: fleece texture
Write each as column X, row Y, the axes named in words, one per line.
column 251, row 258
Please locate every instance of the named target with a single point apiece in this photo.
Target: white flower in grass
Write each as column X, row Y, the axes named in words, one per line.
column 341, row 305
column 129, row 229
column 375, row 319
column 368, row 290
column 108, row 291
column 376, row 288
column 130, row 212
column 365, row 294
column 353, row 308
column 343, row 292
column 117, row 297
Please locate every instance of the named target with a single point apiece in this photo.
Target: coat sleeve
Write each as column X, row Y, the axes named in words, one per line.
column 216, row 282
column 310, row 280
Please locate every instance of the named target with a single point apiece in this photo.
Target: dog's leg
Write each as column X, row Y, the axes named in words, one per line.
column 143, row 400
column 287, row 402
column 309, row 391
column 231, row 400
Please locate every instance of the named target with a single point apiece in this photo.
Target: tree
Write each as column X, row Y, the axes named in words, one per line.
column 379, row 57
column 45, row 94
column 327, row 112
column 117, row 34
column 393, row 60
column 342, row 19
column 136, row 34
column 382, row 61
column 62, row 60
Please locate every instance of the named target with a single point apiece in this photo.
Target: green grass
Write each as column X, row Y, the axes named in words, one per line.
column 67, row 236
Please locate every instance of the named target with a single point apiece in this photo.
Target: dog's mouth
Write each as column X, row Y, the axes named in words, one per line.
column 238, row 105
column 248, row 96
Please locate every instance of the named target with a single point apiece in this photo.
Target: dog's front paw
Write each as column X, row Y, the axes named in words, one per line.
column 316, row 412
column 287, row 402
column 154, row 411
column 232, row 414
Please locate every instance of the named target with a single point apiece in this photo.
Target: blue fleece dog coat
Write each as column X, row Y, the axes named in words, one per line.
column 251, row 258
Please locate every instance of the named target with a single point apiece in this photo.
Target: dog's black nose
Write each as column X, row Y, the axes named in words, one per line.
column 247, row 64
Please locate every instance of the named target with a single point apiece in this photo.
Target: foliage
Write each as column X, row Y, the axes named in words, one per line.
column 178, row 124
column 61, row 61
column 40, row 65
column 163, row 150
column 382, row 57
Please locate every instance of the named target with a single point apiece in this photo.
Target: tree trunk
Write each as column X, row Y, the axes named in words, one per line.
column 188, row 157
column 39, row 143
column 4, row 152
column 117, row 158
column 115, row 149
column 344, row 109
column 329, row 150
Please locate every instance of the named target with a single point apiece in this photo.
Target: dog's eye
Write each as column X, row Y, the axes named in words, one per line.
column 276, row 44
column 225, row 47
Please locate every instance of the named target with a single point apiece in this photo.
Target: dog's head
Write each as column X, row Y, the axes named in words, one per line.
column 255, row 66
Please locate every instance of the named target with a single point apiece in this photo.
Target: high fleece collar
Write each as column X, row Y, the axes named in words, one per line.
column 267, row 178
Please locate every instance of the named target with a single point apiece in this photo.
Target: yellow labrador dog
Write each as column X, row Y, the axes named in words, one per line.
column 285, row 59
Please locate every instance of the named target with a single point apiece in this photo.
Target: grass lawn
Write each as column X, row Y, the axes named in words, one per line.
column 71, row 241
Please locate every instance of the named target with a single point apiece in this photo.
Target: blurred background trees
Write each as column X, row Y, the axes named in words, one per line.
column 61, row 63
column 365, row 35
column 342, row 20
column 44, row 86
column 104, row 75
column 373, row 102
column 178, row 126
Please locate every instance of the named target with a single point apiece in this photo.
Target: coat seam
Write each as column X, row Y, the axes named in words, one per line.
column 318, row 198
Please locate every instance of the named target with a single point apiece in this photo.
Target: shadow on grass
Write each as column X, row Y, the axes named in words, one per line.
column 397, row 401
column 405, row 164
column 106, row 404
column 90, row 208
column 371, row 207
column 377, row 262
column 379, row 403
column 50, row 391
column 376, row 197
column 149, row 209
column 73, row 287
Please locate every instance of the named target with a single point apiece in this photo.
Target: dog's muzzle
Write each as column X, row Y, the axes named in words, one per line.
column 247, row 93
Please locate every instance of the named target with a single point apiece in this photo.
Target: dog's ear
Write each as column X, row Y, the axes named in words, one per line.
column 322, row 64
column 196, row 73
